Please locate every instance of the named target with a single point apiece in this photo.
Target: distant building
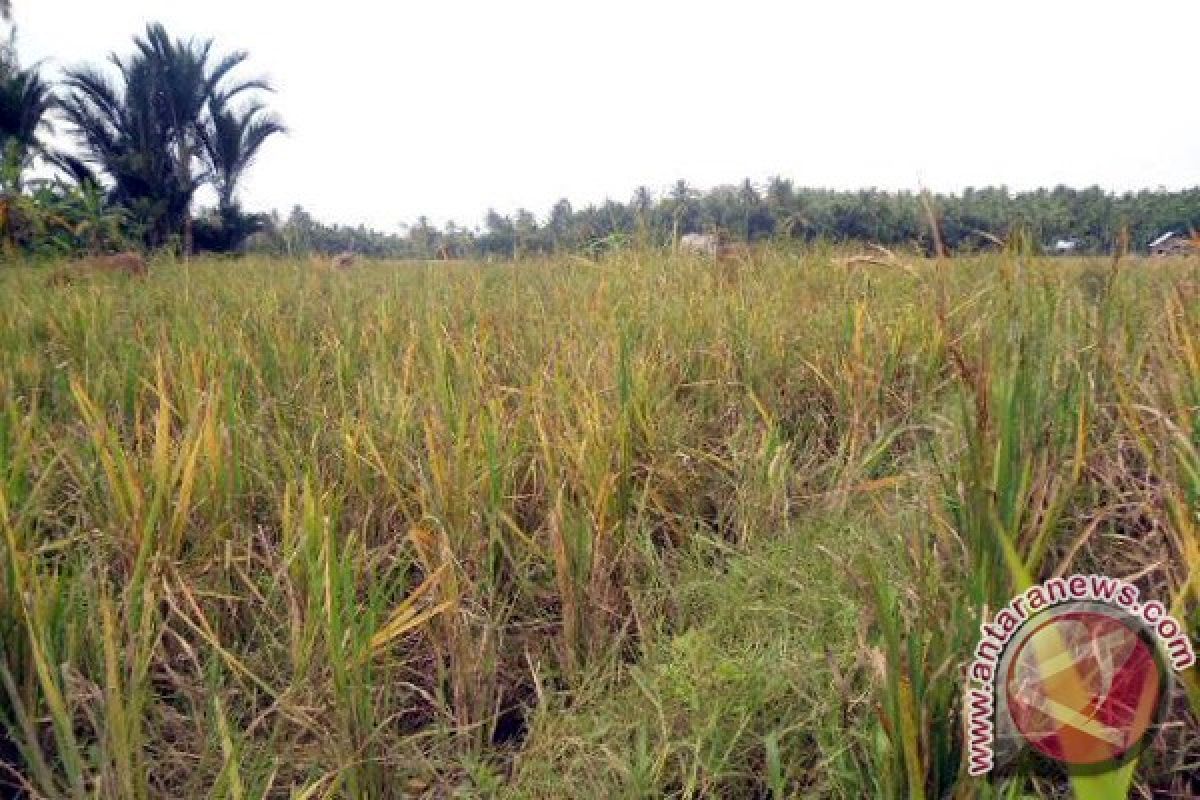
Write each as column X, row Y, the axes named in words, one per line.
column 1065, row 247
column 1171, row 243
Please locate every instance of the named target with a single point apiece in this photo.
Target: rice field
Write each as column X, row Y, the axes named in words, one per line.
column 647, row 526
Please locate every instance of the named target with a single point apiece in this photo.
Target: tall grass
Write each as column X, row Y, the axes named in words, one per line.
column 421, row 529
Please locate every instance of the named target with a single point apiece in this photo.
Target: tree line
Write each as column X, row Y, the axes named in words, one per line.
column 970, row 221
column 173, row 115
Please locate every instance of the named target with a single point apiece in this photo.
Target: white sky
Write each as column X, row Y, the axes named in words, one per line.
column 447, row 107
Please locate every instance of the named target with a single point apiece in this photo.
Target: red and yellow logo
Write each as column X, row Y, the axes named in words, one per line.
column 1084, row 687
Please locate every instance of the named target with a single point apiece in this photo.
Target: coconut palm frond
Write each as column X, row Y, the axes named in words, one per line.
column 164, row 126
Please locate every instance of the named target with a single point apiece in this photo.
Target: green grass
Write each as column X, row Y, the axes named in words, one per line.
column 639, row 527
column 747, row 682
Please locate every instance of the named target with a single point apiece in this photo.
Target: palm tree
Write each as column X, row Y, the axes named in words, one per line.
column 231, row 140
column 190, row 93
column 750, row 200
column 122, row 132
column 684, row 216
column 25, row 102
column 147, row 131
column 561, row 224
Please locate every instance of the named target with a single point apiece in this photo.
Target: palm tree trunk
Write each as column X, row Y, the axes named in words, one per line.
column 185, row 163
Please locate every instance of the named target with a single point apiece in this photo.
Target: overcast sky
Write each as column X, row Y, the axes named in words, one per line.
column 447, row 107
